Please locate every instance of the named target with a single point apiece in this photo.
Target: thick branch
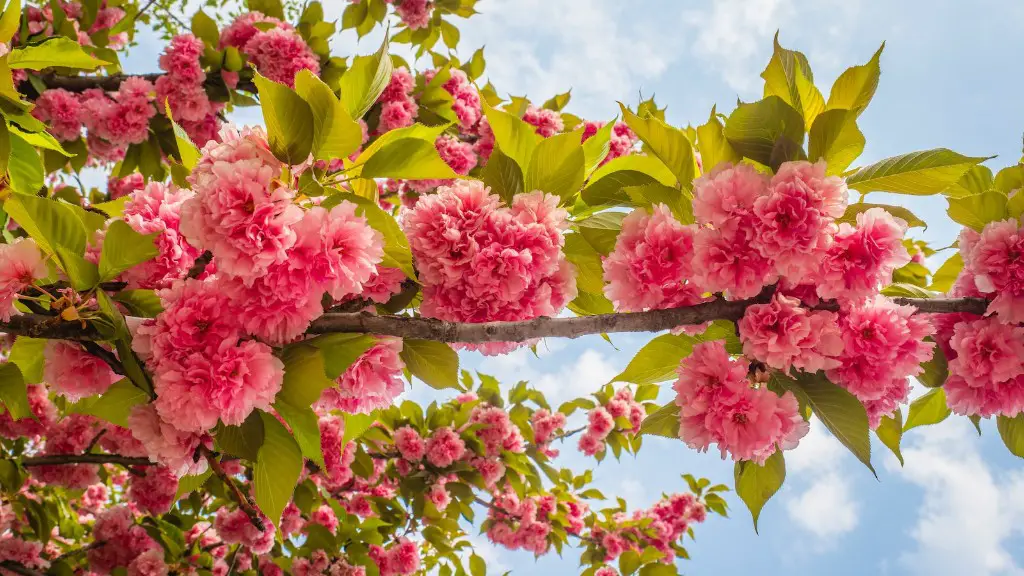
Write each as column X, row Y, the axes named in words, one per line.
column 200, row 264
column 60, row 459
column 430, row 329
column 112, row 82
column 17, row 568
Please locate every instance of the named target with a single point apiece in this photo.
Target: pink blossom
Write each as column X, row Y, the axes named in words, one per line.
column 239, row 32
column 27, row 554
column 590, row 444
column 118, row 187
column 241, row 212
column 862, row 259
column 156, row 209
column 484, row 144
column 783, row 334
column 338, row 458
column 44, row 411
column 995, row 260
column 415, row 13
column 324, row 516
column 438, row 496
column 124, row 540
column 226, row 383
column 189, row 102
column 21, row 264
column 164, row 443
column 650, row 266
column 397, row 114
column 371, row 382
column 149, row 563
column 75, row 373
column 280, row 53
column 337, row 249
column 180, row 60
column 383, row 284
column 547, row 122
column 545, row 424
column 291, row 520
column 72, row 435
column 234, row 527
column 62, row 110
column 153, row 490
column 725, row 197
column 400, row 87
column 410, row 444
column 988, row 352
column 728, row 262
column 600, row 423
column 444, row 447
column 883, row 343
column 278, row 306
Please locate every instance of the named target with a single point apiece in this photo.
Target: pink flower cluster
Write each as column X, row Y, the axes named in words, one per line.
column 156, row 209
column 152, row 489
column 75, row 373
column 44, row 411
column 650, row 267
column 547, row 122
column 479, row 261
column 663, row 524
column 121, row 118
column 398, row 108
column 545, row 424
column 319, row 563
column 165, row 443
column 62, row 110
column 718, row 405
column 414, row 13
column 373, row 381
column 118, row 187
column 783, row 334
column 466, row 100
column 883, row 345
column 149, row 563
column 496, row 432
column 994, row 258
column 337, row 458
column 522, row 523
column 457, row 154
column 400, row 559
column 21, row 264
column 72, row 435
column 181, row 87
column 280, row 53
column 234, row 527
column 124, row 541
column 986, row 372
column 444, row 447
column 621, row 142
column 601, row 421
column 27, row 554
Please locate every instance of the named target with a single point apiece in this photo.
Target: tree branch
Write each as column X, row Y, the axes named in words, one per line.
column 38, row 326
column 200, row 264
column 60, row 459
column 105, row 355
column 113, row 82
column 243, row 502
column 17, row 568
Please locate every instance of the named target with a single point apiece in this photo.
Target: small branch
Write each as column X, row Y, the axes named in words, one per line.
column 113, row 82
column 573, row 327
column 105, row 355
column 17, row 568
column 144, row 8
column 243, row 502
column 199, row 266
column 568, row 434
column 95, row 440
column 77, row 551
column 61, row 459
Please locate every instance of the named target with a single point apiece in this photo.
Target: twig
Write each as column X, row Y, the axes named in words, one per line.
column 95, row 439
column 144, row 8
column 105, row 355
column 17, row 568
column 431, row 329
column 61, row 459
column 568, row 434
column 77, row 551
column 243, row 501
column 199, row 266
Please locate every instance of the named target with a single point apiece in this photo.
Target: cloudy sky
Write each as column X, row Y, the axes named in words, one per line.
column 950, row 78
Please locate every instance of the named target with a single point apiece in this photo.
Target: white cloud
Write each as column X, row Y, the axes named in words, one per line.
column 969, row 511
column 541, row 47
column 825, row 507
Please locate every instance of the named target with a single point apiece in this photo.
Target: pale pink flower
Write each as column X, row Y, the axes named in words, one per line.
column 75, row 373
column 337, row 248
column 153, row 489
column 995, row 260
column 725, row 197
column 149, row 563
column 156, row 209
column 410, row 444
column 987, row 352
column 547, row 122
column 21, row 264
column 234, row 527
column 725, row 261
column 44, row 411
column 371, row 382
column 239, row 32
column 862, row 259
column 444, row 447
column 166, row 444
column 27, row 554
column 415, row 13
column 338, row 458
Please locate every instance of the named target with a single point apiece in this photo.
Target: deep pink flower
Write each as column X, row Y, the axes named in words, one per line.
column 987, row 352
column 337, row 249
column 165, row 443
column 44, row 411
column 149, row 563
column 153, row 489
column 862, row 259
column 338, row 458
column 234, row 527
column 72, row 435
column 75, row 373
column 280, row 53
column 62, row 111
column 415, row 13
column 547, row 122
column 444, row 447
column 725, row 197
column 26, row 553
column 995, row 259
column 783, row 334
column 239, row 32
column 725, row 261
column 156, row 209
column 410, row 444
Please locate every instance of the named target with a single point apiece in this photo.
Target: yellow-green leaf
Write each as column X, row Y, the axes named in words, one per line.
column 918, row 173
column 277, row 470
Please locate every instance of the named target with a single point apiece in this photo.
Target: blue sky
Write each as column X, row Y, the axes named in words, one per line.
column 950, row 78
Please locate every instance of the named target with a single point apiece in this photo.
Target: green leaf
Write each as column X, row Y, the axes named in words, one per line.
column 40, row 140
column 658, row 360
column 768, row 131
column 82, row 273
column 477, row 566
column 25, row 167
column 714, row 148
column 945, row 276
column 187, row 150
column 277, row 469
column 601, row 230
column 306, row 428
column 356, row 425
column 205, row 28
column 1011, row 430
column 10, row 21
column 837, row 409
column 14, row 392
column 124, row 248
column 788, row 76
column 114, row 405
column 927, row 409
column 503, row 175
column 647, row 195
column 341, row 350
column 755, row 484
column 396, row 245
column 289, row 121
column 54, row 51
column 850, row 216
column 978, row 210
column 28, row 355
column 335, row 133
column 629, row 561
column 364, row 81
column 557, row 166
column 48, row 222
column 409, row 159
column 668, row 143
column 607, row 182
column 305, row 375
column 975, row 181
column 890, row 432
column 596, row 148
column 835, row 137
column 435, row 363
column 144, row 303
column 268, row 7
column 516, row 138
column 917, row 173
column 662, row 422
column 190, row 483
column 856, row 86
column 936, row 370
column 243, row 441
column 658, row 569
